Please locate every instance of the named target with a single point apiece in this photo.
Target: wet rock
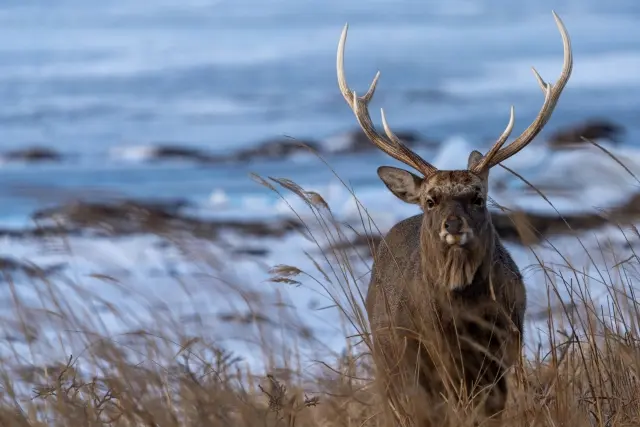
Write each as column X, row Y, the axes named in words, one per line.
column 253, row 252
column 529, row 228
column 33, row 155
column 128, row 217
column 168, row 218
column 369, row 243
column 276, row 228
column 244, row 318
column 279, row 148
column 592, row 129
column 175, row 152
column 271, row 149
column 275, row 149
column 116, row 218
column 356, row 141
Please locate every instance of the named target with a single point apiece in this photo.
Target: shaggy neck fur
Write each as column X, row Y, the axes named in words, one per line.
column 448, row 267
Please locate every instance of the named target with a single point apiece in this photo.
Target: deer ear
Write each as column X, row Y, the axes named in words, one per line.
column 474, row 158
column 403, row 184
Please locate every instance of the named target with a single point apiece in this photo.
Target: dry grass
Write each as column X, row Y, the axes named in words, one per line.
column 176, row 373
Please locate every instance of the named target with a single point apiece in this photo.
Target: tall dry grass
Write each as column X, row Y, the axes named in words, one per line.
column 63, row 365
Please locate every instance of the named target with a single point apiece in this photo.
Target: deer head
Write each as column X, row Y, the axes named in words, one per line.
column 454, row 202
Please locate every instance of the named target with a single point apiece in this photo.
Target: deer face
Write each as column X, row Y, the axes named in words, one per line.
column 453, row 202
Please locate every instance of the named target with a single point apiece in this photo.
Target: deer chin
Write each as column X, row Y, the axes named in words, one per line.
column 457, row 240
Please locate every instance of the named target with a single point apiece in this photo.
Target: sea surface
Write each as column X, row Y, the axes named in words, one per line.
column 102, row 83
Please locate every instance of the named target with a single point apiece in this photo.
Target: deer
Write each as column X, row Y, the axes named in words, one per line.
column 446, row 301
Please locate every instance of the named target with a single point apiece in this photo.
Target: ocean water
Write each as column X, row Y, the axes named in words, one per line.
column 101, row 82
column 93, row 79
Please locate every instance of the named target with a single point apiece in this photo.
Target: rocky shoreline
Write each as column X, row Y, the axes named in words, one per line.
column 168, row 218
column 345, row 143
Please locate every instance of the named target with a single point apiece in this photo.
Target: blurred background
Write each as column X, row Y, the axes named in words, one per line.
column 116, row 111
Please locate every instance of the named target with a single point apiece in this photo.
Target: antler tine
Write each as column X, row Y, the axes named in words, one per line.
column 478, row 168
column 390, row 144
column 552, row 94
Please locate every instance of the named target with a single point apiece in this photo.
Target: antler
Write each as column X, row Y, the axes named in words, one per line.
column 551, row 95
column 391, row 144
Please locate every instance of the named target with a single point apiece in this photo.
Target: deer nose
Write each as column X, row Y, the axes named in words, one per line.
column 453, row 225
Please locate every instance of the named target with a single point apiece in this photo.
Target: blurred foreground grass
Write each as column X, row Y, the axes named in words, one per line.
column 64, row 365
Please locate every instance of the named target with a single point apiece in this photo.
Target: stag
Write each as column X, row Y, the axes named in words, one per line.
column 446, row 302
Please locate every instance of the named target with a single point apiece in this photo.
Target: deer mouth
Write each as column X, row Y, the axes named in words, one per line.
column 457, row 239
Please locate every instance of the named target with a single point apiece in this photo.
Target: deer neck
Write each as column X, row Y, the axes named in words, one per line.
column 450, row 268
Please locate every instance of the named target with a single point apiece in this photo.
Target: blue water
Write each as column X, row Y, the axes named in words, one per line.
column 84, row 77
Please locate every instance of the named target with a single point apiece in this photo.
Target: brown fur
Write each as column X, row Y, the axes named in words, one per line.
column 446, row 320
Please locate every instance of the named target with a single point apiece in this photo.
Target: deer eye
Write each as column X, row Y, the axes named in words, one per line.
column 478, row 201
column 430, row 203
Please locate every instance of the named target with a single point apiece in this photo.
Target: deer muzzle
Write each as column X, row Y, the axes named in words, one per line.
column 456, row 231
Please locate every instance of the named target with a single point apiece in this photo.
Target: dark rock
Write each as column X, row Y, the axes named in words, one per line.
column 175, row 152
column 33, row 154
column 165, row 218
column 268, row 150
column 119, row 218
column 529, row 228
column 246, row 318
column 526, row 228
column 256, row 252
column 129, row 217
column 278, row 228
column 274, row 149
column 356, row 141
column 279, row 148
column 592, row 129
column 370, row 243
